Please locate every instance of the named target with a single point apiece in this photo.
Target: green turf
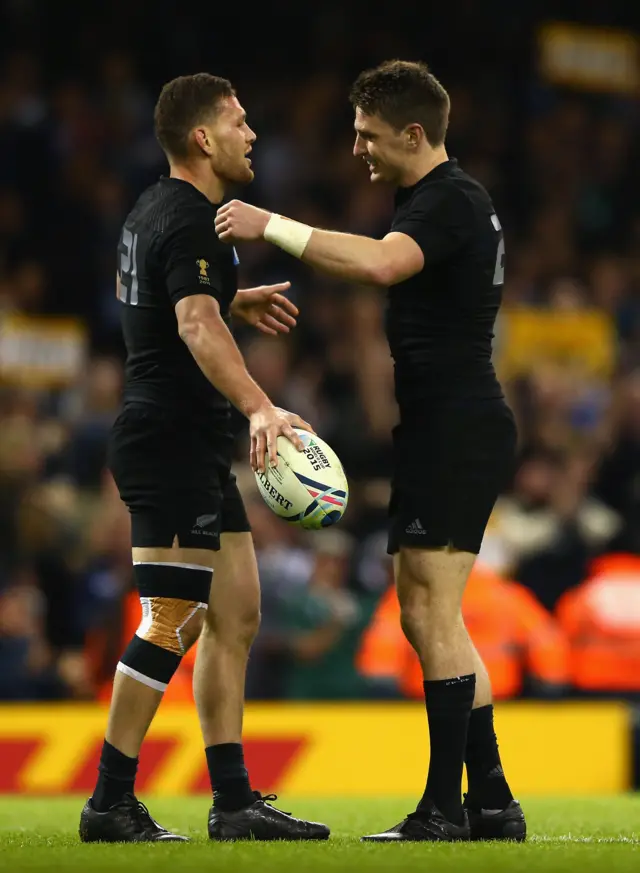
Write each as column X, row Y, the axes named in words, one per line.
column 583, row 834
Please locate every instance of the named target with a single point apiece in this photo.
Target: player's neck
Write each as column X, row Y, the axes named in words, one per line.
column 201, row 178
column 424, row 165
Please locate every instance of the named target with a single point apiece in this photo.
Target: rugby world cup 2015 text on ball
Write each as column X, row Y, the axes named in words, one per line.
column 273, row 491
column 317, row 457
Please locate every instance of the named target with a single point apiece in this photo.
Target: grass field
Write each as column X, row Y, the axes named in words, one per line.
column 584, row 835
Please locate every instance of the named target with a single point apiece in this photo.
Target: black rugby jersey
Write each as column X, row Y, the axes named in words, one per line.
column 440, row 322
column 168, row 250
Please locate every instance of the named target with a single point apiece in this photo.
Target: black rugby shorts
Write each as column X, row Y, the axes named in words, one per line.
column 175, row 478
column 450, row 465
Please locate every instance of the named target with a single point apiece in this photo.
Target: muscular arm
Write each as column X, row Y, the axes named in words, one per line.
column 346, row 256
column 433, row 227
column 209, row 340
column 363, row 259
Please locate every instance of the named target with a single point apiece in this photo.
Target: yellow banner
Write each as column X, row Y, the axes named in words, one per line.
column 321, row 750
column 590, row 58
column 583, row 341
column 41, row 352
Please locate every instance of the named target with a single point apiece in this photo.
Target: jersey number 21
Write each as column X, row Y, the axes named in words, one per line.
column 129, row 267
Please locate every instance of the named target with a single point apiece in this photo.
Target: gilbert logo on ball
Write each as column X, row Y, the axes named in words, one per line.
column 307, row 488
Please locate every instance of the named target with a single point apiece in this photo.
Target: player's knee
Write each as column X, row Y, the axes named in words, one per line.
column 171, row 623
column 248, row 623
column 192, row 630
column 425, row 611
column 251, row 625
column 247, row 627
column 174, row 602
column 169, row 627
column 238, row 627
column 414, row 617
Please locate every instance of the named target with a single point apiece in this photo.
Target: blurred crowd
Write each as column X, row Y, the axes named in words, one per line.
column 76, row 149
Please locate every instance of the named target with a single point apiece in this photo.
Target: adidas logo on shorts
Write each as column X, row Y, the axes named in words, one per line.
column 415, row 528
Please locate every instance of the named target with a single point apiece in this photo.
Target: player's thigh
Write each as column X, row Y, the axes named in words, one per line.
column 448, row 474
column 433, row 578
column 234, row 601
column 138, row 454
column 172, row 479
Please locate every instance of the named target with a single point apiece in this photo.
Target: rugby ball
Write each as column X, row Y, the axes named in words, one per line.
column 307, row 488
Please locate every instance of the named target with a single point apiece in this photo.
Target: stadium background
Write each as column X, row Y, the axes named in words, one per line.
column 545, row 114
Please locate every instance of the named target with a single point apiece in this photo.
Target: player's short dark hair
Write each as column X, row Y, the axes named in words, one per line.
column 184, row 103
column 403, row 93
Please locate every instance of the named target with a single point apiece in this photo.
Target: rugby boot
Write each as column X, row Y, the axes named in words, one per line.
column 423, row 825
column 497, row 824
column 128, row 821
column 261, row 821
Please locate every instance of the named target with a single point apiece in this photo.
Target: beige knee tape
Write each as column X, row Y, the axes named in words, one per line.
column 170, row 623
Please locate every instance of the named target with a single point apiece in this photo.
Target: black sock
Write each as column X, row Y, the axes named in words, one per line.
column 488, row 789
column 449, row 703
column 116, row 777
column 229, row 777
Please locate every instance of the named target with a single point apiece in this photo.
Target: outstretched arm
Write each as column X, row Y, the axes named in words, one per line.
column 346, row 256
column 355, row 258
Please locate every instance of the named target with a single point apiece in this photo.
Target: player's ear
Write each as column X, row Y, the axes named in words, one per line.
column 203, row 139
column 414, row 136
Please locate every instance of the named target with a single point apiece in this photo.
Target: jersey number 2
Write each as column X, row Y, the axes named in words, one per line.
column 129, row 268
column 498, row 273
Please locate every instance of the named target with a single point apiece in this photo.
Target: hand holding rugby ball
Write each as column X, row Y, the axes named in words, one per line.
column 307, row 488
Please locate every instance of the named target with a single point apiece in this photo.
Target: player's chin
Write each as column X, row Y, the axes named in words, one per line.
column 246, row 174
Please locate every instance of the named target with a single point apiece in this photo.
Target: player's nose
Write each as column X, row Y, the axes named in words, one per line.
column 359, row 147
column 252, row 137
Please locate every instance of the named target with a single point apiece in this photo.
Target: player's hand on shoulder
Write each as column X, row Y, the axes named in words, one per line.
column 237, row 221
column 265, row 426
column 266, row 308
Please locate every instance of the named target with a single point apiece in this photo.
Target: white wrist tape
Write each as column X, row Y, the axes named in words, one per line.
column 291, row 236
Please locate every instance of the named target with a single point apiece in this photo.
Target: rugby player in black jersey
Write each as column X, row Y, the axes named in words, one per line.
column 170, row 454
column 443, row 263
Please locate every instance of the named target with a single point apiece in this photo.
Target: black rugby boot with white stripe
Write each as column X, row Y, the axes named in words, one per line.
column 261, row 821
column 425, row 825
column 128, row 821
